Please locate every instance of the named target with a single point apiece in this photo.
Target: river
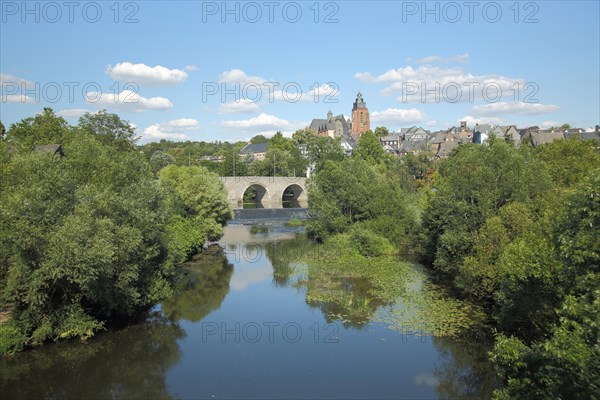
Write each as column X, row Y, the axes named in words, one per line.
column 248, row 323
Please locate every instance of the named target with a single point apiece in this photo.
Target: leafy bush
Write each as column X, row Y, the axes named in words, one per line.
column 370, row 244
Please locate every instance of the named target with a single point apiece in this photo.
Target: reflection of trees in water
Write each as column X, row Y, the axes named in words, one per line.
column 282, row 253
column 129, row 363
column 465, row 371
column 349, row 299
column 202, row 287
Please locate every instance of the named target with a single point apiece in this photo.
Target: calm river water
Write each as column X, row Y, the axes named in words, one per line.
column 243, row 326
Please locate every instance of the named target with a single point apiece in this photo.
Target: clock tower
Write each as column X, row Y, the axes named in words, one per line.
column 360, row 117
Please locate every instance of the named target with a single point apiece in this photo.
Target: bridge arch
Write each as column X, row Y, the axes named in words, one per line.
column 293, row 196
column 262, row 195
column 271, row 189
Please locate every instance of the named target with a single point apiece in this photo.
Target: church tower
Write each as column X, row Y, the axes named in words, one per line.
column 360, row 117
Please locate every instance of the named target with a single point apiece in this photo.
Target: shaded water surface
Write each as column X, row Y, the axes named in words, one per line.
column 247, row 323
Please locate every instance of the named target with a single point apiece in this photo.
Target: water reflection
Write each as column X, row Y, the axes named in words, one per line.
column 202, row 286
column 352, row 300
column 465, row 371
column 129, row 363
column 158, row 359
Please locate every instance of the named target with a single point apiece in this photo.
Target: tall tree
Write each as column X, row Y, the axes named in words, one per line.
column 369, row 148
column 44, row 128
column 381, row 131
column 109, row 128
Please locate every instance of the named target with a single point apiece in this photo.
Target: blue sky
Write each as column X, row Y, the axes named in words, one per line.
column 194, row 70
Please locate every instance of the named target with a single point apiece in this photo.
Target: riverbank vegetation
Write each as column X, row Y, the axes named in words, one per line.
column 88, row 235
column 516, row 230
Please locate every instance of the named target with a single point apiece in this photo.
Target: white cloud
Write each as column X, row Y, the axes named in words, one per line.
column 262, row 122
column 171, row 130
column 460, row 58
column 450, row 84
column 8, row 79
column 514, row 108
column 74, row 112
column 18, row 98
column 128, row 100
column 242, row 106
column 182, row 123
column 190, row 68
column 238, row 76
column 472, row 120
column 143, row 74
column 398, row 115
column 549, row 124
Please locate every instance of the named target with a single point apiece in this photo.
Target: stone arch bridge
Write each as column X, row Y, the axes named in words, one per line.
column 271, row 191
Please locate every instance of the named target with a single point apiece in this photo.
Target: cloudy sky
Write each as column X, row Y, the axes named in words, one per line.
column 194, row 70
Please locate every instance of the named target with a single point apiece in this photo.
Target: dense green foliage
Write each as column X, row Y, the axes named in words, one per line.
column 92, row 237
column 518, row 230
column 355, row 192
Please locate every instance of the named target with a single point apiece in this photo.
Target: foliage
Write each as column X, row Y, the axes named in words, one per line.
column 352, row 191
column 198, row 193
column 518, row 230
column 323, row 148
column 259, row 139
column 283, row 158
column 569, row 160
column 473, row 185
column 369, row 148
column 44, row 128
column 93, row 237
column 370, row 244
column 381, row 131
column 109, row 129
column 81, row 240
column 160, row 159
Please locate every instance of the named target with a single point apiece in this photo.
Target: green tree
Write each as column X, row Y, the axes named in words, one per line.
column 81, row 241
column 353, row 191
column 473, row 185
column 44, row 128
column 569, row 161
column 2, row 131
column 369, row 148
column 302, row 136
column 259, row 139
column 323, row 148
column 198, row 193
column 160, row 159
column 381, row 131
column 109, row 128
